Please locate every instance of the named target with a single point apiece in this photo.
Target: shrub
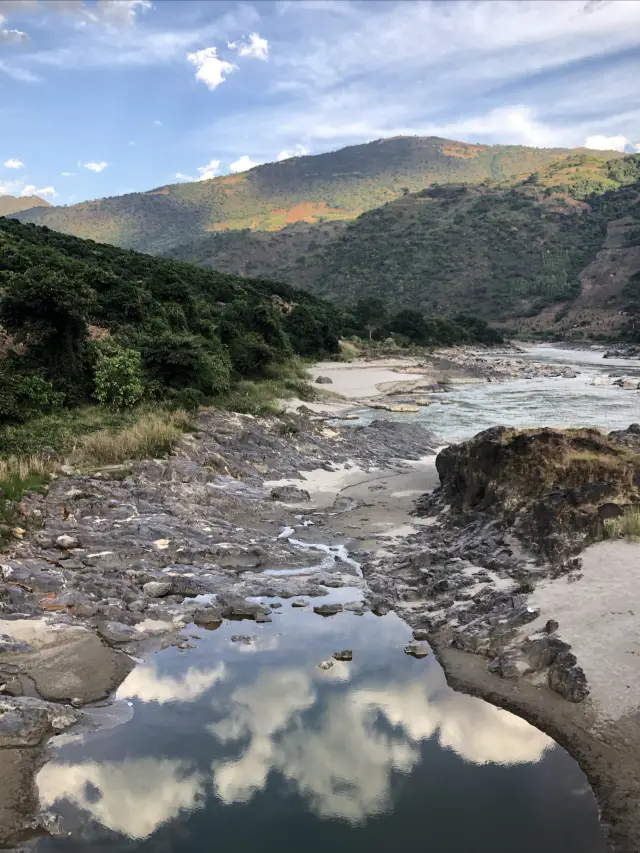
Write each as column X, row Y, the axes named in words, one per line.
column 155, row 434
column 24, row 395
column 627, row 525
column 118, row 376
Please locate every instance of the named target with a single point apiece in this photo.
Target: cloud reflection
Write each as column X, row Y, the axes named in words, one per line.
column 344, row 761
column 133, row 797
column 145, row 684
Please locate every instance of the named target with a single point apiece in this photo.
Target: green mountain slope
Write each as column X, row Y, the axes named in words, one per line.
column 13, row 204
column 509, row 253
column 337, row 185
column 70, row 309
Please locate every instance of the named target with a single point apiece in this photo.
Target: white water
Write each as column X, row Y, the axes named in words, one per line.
column 535, row 402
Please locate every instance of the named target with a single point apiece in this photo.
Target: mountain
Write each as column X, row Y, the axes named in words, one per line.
column 16, row 204
column 529, row 255
column 334, row 186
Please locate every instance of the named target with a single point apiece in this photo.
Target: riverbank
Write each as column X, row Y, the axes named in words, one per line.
column 132, row 556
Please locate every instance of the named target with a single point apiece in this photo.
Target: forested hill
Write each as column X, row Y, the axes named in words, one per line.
column 510, row 253
column 333, row 186
column 72, row 311
column 13, row 204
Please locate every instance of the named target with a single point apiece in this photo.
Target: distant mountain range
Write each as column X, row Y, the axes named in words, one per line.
column 339, row 185
column 16, row 204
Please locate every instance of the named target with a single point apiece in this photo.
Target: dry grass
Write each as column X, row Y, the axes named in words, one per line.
column 626, row 525
column 22, row 467
column 155, row 434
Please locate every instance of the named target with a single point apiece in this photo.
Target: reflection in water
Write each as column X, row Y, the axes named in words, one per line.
column 344, row 763
column 147, row 685
column 132, row 797
column 255, row 738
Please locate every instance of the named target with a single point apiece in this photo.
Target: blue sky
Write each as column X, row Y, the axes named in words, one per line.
column 103, row 97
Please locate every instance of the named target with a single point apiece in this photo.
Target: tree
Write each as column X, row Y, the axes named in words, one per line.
column 370, row 314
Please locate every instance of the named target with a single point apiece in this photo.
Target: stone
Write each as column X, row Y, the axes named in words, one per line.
column 118, row 632
column 26, row 721
column 158, row 589
column 416, row 650
column 245, row 639
column 420, row 634
column 345, row 654
column 567, row 678
column 66, row 542
column 510, row 664
column 206, row 615
column 289, row 494
column 262, row 617
column 551, row 626
column 357, row 607
column 324, row 380
column 328, row 609
column 325, row 664
column 236, row 607
column 299, row 602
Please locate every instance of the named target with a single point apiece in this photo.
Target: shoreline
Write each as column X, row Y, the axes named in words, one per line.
column 358, row 489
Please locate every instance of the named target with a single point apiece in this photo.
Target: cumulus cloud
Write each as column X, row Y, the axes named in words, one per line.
column 146, row 684
column 209, row 171
column 298, row 151
column 256, row 47
column 30, row 189
column 607, row 143
column 242, row 164
column 8, row 36
column 96, row 167
column 211, row 70
column 182, row 177
column 13, row 163
column 133, row 797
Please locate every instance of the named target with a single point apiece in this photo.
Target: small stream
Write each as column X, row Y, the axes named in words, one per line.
column 246, row 744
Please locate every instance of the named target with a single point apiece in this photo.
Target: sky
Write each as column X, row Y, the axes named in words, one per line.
column 105, row 97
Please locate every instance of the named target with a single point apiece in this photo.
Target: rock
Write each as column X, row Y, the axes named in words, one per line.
column 325, row 664
column 510, row 664
column 262, row 617
column 118, row 632
column 357, row 607
column 380, row 607
column 345, row 654
column 299, row 602
column 158, row 589
column 328, row 609
column 26, row 721
column 236, row 607
column 551, row 626
column 289, row 494
column 245, row 639
column 66, row 542
column 416, row 650
column 324, row 380
column 542, row 649
column 420, row 634
column 208, row 615
column 567, row 678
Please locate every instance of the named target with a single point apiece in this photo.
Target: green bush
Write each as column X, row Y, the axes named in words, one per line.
column 118, row 376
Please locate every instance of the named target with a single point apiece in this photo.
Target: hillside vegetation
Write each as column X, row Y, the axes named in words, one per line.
column 12, row 204
column 521, row 253
column 333, row 186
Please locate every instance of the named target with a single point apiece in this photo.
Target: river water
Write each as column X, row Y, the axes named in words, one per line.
column 236, row 745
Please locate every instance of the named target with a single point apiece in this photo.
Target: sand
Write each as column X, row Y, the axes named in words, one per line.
column 361, row 380
column 599, row 615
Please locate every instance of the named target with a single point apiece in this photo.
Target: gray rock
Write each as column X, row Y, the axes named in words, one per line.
column 416, row 650
column 345, row 654
column 26, row 721
column 328, row 609
column 324, row 380
column 289, row 494
column 158, row 589
column 551, row 626
column 208, row 615
column 299, row 602
column 420, row 634
column 245, row 639
column 567, row 678
column 325, row 664
column 357, row 607
column 236, row 607
column 66, row 542
column 118, row 632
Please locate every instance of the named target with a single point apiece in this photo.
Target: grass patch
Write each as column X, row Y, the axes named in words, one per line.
column 154, row 435
column 626, row 525
column 264, row 396
column 19, row 475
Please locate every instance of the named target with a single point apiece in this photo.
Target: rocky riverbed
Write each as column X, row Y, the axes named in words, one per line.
column 122, row 561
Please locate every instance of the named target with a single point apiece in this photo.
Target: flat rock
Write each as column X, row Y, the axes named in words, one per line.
column 158, row 589
column 299, row 602
column 328, row 609
column 345, row 654
column 325, row 664
column 118, row 632
column 417, row 650
column 66, row 542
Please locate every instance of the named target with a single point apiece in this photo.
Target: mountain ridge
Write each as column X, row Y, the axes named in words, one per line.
column 338, row 185
column 16, row 204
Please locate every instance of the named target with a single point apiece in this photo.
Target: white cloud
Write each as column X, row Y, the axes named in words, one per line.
column 119, row 13
column 96, row 167
column 242, row 164
column 182, row 177
column 256, row 47
column 30, row 189
column 136, row 795
column 67, row 174
column 147, row 685
column 297, row 151
column 12, row 36
column 209, row 171
column 607, row 143
column 157, row 122
column 211, row 70
column 13, row 163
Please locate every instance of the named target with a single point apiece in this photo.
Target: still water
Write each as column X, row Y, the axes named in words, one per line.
column 537, row 402
column 253, row 747
column 234, row 746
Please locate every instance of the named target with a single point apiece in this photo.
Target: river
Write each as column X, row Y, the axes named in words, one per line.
column 246, row 743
